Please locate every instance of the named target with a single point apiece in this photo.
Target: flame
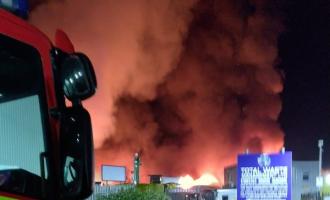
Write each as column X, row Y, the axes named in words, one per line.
column 187, row 181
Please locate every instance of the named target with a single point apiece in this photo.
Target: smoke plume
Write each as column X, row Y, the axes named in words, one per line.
column 188, row 84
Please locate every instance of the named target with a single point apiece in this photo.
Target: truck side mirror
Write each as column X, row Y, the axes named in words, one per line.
column 76, row 153
column 78, row 77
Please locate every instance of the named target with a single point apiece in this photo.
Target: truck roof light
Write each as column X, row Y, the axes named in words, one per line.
column 18, row 7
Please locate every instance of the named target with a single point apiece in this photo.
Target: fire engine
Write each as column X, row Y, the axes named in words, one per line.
column 46, row 144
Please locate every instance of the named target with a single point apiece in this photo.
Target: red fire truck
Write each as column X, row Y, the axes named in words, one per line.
column 46, row 144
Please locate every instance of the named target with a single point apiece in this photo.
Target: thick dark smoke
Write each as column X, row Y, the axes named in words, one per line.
column 188, row 84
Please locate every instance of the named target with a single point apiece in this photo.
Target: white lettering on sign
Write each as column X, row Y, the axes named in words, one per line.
column 264, row 183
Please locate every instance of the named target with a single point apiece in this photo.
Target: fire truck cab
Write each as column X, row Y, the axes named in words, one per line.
column 46, row 145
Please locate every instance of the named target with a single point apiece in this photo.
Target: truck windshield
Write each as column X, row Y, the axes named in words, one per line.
column 21, row 121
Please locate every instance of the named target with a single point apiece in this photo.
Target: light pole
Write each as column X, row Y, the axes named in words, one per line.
column 320, row 156
column 320, row 165
column 137, row 163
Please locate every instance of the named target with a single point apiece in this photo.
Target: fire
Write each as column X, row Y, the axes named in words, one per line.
column 141, row 67
column 187, row 181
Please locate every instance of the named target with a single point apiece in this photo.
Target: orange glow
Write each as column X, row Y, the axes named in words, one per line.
column 187, row 181
column 158, row 95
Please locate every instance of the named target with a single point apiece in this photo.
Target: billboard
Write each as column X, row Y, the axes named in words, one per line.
column 264, row 176
column 113, row 173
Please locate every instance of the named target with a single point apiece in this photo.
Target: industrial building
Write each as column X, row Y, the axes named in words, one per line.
column 230, row 177
column 194, row 193
column 227, row 194
column 304, row 175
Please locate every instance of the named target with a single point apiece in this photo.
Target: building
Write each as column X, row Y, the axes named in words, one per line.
column 155, row 178
column 194, row 193
column 230, row 177
column 227, row 194
column 304, row 175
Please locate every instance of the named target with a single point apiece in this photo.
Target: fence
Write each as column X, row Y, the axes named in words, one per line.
column 175, row 193
column 106, row 190
column 311, row 196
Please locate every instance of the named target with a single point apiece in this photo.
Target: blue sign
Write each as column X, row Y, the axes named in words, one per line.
column 264, row 176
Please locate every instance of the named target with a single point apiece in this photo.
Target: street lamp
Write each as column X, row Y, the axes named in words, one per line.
column 320, row 144
column 320, row 156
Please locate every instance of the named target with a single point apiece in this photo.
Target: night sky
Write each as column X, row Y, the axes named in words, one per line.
column 304, row 51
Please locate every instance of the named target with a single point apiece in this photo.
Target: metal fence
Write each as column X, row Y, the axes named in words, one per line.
column 107, row 190
column 174, row 194
column 311, row 196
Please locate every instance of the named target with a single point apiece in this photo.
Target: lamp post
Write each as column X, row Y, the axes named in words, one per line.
column 320, row 156
column 320, row 144
column 136, row 172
